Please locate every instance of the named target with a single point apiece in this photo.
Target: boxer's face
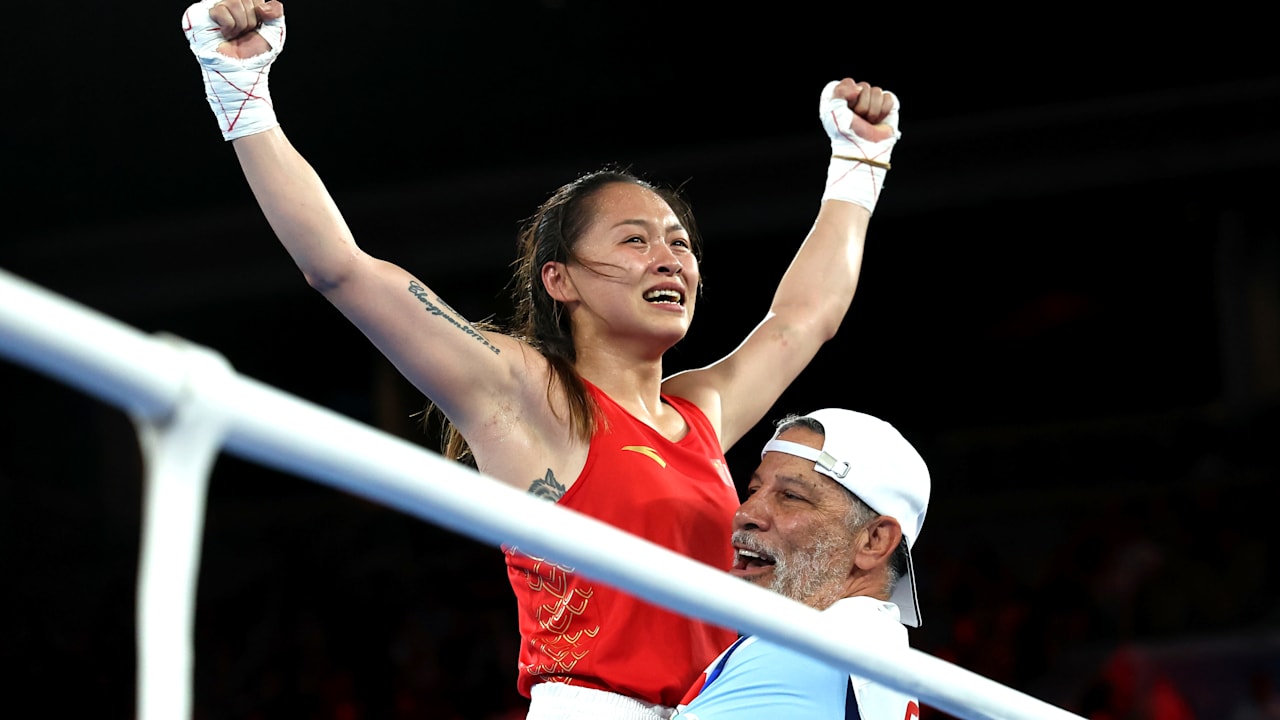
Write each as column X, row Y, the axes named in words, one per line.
column 634, row 275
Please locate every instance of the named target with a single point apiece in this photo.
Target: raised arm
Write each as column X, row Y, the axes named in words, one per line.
column 815, row 292
column 469, row 374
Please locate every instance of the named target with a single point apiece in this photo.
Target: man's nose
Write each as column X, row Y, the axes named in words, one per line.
column 751, row 515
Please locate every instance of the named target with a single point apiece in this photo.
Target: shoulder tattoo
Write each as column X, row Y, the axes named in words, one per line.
column 547, row 487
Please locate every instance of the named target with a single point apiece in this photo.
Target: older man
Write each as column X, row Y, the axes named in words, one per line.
column 830, row 518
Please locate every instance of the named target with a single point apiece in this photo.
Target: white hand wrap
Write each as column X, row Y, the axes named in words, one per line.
column 849, row 176
column 236, row 89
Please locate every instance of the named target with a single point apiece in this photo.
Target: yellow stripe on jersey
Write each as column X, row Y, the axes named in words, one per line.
column 647, row 452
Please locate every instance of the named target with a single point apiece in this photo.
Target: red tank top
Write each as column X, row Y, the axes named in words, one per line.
column 676, row 494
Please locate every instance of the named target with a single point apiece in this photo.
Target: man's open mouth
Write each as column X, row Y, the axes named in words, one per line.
column 745, row 559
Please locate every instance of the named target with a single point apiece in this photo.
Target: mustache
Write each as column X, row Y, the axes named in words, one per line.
column 745, row 539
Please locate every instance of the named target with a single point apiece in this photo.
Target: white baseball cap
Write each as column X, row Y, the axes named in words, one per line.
column 874, row 462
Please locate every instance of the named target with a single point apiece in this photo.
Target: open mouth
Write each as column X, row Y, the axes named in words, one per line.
column 671, row 297
column 745, row 559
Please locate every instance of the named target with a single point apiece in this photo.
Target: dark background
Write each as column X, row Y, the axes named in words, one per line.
column 1070, row 303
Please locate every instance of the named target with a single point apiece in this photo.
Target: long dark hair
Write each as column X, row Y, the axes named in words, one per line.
column 551, row 234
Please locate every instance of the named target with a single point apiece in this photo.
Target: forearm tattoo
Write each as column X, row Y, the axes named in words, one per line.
column 547, row 487
column 441, row 309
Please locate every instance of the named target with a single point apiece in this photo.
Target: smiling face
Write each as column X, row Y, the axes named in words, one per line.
column 792, row 532
column 634, row 270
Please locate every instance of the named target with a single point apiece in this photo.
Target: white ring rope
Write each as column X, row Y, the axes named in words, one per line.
column 188, row 403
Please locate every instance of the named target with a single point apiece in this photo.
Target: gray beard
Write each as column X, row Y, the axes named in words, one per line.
column 812, row 577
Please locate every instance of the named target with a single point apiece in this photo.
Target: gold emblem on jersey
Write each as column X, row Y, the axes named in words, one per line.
column 647, row 452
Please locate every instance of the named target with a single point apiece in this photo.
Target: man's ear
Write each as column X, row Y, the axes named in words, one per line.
column 877, row 542
column 557, row 282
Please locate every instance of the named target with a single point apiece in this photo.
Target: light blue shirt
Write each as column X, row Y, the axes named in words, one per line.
column 755, row 679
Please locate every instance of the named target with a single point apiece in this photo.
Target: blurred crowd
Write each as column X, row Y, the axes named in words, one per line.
column 1154, row 599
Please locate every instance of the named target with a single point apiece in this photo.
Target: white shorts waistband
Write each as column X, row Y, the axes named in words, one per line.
column 560, row 701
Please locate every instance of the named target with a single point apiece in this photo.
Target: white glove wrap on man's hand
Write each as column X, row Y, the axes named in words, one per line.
column 849, row 178
column 235, row 88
